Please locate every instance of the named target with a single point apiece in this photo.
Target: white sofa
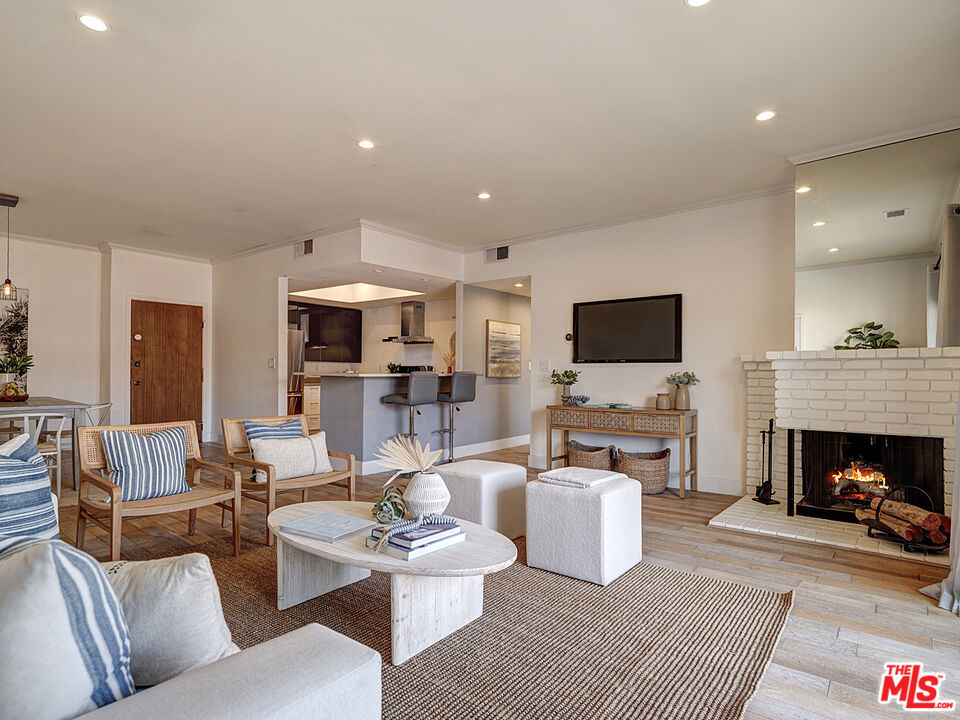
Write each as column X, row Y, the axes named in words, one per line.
column 310, row 673
column 591, row 534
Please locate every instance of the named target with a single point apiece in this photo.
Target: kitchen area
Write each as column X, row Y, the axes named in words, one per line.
column 350, row 347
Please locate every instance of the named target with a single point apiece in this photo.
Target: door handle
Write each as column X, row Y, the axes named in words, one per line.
column 136, row 382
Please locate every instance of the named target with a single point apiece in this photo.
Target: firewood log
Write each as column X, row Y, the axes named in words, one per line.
column 937, row 537
column 900, row 527
column 910, row 513
column 945, row 524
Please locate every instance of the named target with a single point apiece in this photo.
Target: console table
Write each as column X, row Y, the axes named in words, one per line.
column 678, row 425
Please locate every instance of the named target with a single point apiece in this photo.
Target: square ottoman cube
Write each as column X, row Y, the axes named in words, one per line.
column 590, row 534
column 488, row 493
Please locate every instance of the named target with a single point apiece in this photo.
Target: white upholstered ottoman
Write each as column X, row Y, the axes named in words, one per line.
column 590, row 534
column 488, row 493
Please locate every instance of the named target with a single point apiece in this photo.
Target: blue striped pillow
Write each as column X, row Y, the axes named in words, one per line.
column 66, row 642
column 26, row 503
column 147, row 466
column 259, row 431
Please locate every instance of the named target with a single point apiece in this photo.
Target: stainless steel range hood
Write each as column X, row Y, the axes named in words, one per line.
column 412, row 325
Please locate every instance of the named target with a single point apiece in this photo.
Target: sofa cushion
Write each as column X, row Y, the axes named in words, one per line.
column 26, row 502
column 293, row 457
column 147, row 466
column 65, row 645
column 172, row 607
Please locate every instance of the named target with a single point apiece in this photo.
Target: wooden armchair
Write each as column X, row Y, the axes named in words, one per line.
column 95, row 510
column 238, row 453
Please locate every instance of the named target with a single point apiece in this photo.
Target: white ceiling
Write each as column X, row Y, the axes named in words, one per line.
column 205, row 128
column 508, row 285
column 850, row 194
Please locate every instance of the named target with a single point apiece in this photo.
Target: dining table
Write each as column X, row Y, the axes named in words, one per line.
column 49, row 406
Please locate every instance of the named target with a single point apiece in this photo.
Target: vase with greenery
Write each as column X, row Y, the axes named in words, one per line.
column 566, row 380
column 682, row 382
column 14, row 366
column 869, row 336
column 426, row 492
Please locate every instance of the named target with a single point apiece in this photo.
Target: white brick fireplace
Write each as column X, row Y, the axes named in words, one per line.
column 904, row 392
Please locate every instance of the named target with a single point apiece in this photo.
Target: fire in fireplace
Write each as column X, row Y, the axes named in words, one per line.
column 845, row 471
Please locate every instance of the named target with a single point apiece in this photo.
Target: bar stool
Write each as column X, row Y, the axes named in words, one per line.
column 463, row 388
column 421, row 390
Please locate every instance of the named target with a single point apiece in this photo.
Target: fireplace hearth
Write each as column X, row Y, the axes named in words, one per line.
column 844, row 471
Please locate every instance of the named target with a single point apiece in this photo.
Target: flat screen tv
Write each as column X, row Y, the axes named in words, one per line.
column 631, row 330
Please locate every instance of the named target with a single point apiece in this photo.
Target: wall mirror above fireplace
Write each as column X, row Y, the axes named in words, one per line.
column 870, row 232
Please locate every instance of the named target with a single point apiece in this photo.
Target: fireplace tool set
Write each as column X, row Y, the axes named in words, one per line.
column 765, row 491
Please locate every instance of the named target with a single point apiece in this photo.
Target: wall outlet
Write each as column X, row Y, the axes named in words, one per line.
column 271, row 363
column 544, row 366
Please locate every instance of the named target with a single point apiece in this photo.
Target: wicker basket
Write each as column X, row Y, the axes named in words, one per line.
column 651, row 469
column 590, row 456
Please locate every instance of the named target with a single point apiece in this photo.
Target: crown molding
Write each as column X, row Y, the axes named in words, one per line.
column 55, row 243
column 110, row 246
column 677, row 210
column 889, row 139
column 412, row 236
column 933, row 255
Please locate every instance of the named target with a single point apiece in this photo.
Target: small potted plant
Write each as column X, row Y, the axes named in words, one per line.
column 565, row 380
column 682, row 381
column 12, row 368
column 869, row 335
column 426, row 492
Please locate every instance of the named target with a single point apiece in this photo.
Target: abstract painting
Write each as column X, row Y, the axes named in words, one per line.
column 503, row 349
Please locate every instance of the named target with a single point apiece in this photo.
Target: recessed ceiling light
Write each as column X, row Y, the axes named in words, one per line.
column 820, row 223
column 765, row 115
column 518, row 284
column 93, row 23
column 834, row 250
column 803, row 189
column 695, row 3
column 367, row 144
column 483, row 196
column 377, row 270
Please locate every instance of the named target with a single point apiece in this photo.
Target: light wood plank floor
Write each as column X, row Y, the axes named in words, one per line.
column 852, row 611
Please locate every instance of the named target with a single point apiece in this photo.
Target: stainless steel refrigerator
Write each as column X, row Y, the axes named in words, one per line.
column 295, row 349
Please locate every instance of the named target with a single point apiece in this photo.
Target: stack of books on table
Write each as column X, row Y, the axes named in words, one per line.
column 420, row 541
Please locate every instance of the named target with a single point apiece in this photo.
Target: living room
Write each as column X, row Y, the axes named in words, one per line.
column 348, row 230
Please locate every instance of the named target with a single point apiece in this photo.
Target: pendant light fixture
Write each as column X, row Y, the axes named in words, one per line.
column 8, row 291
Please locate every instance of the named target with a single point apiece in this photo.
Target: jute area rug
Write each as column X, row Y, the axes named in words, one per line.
column 655, row 643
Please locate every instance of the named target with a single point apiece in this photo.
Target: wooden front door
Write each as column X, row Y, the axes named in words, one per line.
column 166, row 362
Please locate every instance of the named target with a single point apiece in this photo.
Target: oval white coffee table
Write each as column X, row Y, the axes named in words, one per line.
column 431, row 596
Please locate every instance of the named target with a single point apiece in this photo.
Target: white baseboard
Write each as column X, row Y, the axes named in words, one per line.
column 369, row 467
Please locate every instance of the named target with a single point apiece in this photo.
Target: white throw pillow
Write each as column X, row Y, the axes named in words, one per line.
column 293, row 457
column 64, row 646
column 172, row 607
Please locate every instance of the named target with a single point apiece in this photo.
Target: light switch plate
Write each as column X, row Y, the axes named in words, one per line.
column 271, row 363
column 544, row 366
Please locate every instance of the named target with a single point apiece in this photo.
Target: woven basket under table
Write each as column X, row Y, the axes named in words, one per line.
column 589, row 456
column 652, row 469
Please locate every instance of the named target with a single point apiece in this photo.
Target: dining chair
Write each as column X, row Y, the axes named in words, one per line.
column 90, row 416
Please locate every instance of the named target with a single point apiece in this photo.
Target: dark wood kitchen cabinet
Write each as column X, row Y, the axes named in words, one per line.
column 332, row 334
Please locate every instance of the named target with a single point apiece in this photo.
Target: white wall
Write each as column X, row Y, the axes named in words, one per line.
column 249, row 319
column 833, row 299
column 64, row 317
column 734, row 265
column 142, row 276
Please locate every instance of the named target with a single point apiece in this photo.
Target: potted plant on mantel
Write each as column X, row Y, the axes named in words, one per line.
column 682, row 381
column 426, row 492
column 566, row 380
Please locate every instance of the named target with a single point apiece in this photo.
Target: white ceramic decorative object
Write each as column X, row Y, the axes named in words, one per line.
column 426, row 493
